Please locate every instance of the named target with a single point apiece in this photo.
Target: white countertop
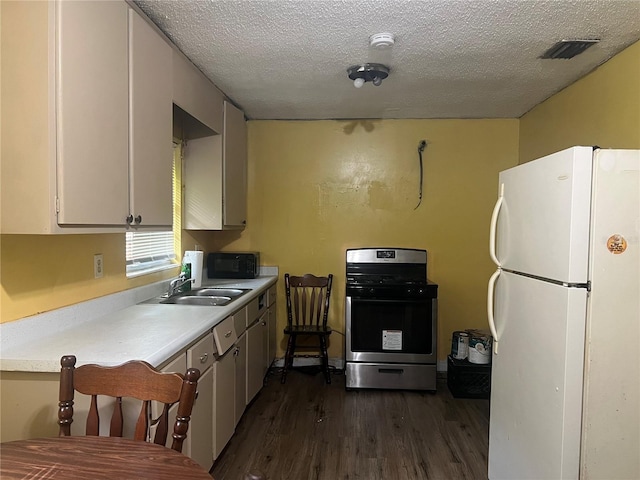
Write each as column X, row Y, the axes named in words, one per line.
column 116, row 328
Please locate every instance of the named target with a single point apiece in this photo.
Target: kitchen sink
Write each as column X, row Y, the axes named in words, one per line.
column 205, row 296
column 209, row 300
column 215, row 291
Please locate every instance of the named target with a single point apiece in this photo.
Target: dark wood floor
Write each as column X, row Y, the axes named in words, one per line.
column 306, row 429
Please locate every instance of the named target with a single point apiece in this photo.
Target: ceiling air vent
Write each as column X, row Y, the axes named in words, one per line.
column 568, row 48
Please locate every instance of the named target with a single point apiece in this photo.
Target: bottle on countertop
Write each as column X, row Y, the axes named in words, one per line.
column 186, row 270
column 195, row 258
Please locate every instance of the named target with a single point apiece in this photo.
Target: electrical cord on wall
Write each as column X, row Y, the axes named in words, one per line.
column 421, row 146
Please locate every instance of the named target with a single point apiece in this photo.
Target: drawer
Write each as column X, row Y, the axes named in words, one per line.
column 224, row 335
column 177, row 365
column 252, row 311
column 200, row 356
column 272, row 295
column 257, row 307
column 240, row 321
column 392, row 376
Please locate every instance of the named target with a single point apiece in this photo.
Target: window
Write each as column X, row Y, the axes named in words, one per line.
column 148, row 252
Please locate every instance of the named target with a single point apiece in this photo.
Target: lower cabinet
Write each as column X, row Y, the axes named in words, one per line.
column 241, row 376
column 199, row 442
column 232, row 360
column 256, row 334
column 199, row 436
column 272, row 335
column 179, row 365
column 224, row 386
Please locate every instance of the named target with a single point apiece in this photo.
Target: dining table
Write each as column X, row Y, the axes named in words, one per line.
column 95, row 458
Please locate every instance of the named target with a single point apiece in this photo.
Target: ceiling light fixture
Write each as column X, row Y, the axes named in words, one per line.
column 368, row 72
column 382, row 40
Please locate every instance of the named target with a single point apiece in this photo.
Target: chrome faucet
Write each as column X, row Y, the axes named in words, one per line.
column 176, row 283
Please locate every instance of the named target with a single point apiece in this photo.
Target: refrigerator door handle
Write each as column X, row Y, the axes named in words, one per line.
column 494, row 226
column 490, row 294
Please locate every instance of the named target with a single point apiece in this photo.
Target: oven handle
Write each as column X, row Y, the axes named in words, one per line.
column 490, row 300
column 391, row 299
column 494, row 226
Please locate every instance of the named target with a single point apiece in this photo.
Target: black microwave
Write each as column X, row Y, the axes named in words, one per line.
column 233, row 264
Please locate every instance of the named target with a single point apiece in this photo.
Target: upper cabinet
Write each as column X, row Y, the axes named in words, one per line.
column 234, row 155
column 150, row 126
column 86, row 119
column 92, row 104
column 195, row 94
column 215, row 177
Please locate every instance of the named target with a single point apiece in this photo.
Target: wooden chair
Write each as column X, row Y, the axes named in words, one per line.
column 135, row 379
column 307, row 311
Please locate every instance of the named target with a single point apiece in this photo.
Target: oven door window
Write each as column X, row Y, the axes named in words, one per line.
column 400, row 326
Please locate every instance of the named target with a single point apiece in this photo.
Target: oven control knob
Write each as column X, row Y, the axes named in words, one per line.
column 372, row 291
column 409, row 291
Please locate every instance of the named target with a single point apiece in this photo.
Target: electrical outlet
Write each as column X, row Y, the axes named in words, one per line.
column 98, row 265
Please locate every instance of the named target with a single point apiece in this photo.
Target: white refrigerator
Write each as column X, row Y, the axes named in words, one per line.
column 564, row 311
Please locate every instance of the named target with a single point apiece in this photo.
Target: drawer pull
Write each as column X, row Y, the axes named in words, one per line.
column 228, row 334
column 397, row 371
column 203, row 358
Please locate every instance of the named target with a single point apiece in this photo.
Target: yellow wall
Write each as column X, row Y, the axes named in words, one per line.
column 601, row 109
column 318, row 188
column 45, row 272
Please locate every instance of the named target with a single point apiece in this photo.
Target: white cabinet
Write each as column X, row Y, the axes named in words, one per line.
column 257, row 334
column 195, row 94
column 200, row 436
column 255, row 357
column 240, row 324
column 92, row 102
column 150, row 126
column 232, row 363
column 224, row 384
column 234, row 157
column 241, row 376
column 272, row 336
column 215, row 177
column 177, row 365
column 199, row 442
column 87, row 112
column 224, row 399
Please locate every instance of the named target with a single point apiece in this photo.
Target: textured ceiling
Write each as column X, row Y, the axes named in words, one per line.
column 287, row 59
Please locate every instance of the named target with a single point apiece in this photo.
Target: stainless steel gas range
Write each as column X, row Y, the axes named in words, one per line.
column 391, row 320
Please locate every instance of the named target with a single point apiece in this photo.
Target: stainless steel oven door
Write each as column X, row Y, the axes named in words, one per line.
column 391, row 330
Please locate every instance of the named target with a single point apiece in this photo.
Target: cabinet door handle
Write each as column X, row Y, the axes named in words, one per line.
column 203, row 358
column 138, row 219
column 228, row 334
column 264, row 324
column 129, row 219
column 236, row 352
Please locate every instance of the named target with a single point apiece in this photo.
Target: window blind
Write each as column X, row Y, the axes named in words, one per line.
column 149, row 251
